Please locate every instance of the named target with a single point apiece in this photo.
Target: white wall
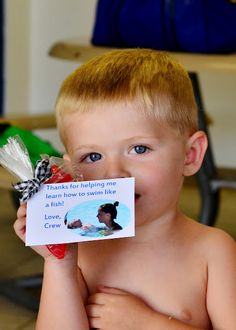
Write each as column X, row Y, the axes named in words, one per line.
column 33, row 78
column 17, row 55
column 219, row 92
column 32, row 26
column 52, row 21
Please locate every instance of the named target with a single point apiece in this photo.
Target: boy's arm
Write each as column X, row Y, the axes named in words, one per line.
column 63, row 295
column 119, row 310
column 64, row 291
column 221, row 292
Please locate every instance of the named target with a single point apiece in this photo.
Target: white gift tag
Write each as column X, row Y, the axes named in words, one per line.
column 69, row 212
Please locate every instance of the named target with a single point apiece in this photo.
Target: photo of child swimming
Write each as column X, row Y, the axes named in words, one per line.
column 106, row 215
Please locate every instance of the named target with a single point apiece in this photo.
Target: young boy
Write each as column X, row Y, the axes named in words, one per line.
column 131, row 113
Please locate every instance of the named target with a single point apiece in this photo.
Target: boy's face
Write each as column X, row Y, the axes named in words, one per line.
column 114, row 141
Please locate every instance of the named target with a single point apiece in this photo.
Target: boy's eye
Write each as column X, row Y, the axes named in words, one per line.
column 93, row 157
column 140, row 149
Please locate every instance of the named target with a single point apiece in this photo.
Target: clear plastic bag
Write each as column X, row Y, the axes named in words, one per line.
column 15, row 158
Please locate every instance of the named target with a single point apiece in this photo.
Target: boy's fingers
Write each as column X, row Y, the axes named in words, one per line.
column 96, row 298
column 19, row 223
column 21, row 212
column 93, row 310
column 94, row 322
column 106, row 289
column 101, row 297
column 19, row 227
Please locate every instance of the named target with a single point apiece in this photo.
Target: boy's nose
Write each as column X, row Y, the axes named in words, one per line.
column 116, row 169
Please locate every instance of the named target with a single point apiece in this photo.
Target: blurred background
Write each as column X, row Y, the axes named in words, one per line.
column 32, row 78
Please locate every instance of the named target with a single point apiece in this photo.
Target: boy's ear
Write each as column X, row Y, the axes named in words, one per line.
column 195, row 151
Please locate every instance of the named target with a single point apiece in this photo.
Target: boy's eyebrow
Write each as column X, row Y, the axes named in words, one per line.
column 86, row 146
column 144, row 138
column 131, row 139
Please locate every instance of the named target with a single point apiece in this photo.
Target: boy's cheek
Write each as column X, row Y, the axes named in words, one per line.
column 90, row 173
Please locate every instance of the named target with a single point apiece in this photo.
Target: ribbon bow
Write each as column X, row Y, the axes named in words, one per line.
column 29, row 187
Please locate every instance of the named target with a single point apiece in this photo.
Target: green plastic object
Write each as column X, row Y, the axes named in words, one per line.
column 34, row 144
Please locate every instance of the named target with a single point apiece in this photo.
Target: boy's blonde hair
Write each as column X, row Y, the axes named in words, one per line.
column 152, row 80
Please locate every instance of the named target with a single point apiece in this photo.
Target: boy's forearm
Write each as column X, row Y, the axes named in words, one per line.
column 62, row 305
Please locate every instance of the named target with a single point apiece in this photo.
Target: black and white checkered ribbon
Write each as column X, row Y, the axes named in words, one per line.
column 29, row 187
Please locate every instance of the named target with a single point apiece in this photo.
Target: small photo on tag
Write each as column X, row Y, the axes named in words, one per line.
column 97, row 218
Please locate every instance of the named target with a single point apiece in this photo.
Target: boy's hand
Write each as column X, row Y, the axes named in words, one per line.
column 116, row 309
column 20, row 228
column 20, row 223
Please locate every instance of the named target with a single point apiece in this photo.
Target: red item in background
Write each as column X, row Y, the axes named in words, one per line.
column 58, row 176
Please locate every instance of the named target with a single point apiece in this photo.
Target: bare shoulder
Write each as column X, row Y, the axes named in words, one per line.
column 218, row 249
column 213, row 242
column 221, row 247
column 217, row 237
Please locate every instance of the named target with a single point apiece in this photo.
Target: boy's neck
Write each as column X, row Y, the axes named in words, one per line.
column 157, row 228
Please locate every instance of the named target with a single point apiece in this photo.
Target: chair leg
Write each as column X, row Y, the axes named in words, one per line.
column 24, row 291
column 209, row 209
column 209, row 196
column 210, row 200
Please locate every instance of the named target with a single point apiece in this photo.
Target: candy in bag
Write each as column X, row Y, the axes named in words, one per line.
column 15, row 158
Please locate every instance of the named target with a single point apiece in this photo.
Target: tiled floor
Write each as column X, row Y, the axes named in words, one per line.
column 16, row 260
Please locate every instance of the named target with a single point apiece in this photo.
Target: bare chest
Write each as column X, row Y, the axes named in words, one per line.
column 169, row 282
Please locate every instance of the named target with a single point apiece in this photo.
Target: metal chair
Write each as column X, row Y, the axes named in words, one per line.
column 209, row 180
